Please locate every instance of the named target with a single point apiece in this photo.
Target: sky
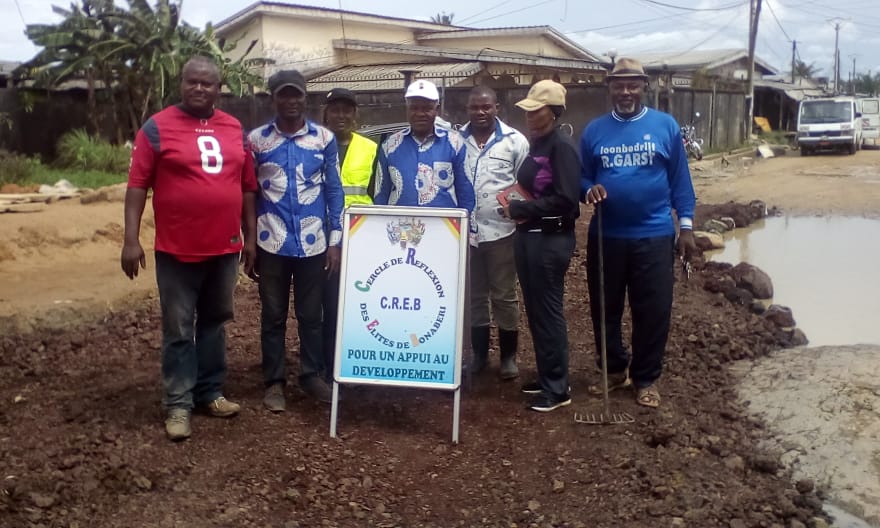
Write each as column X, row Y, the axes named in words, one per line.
column 629, row 27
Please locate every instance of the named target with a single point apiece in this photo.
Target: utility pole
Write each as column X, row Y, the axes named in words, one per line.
column 837, row 22
column 853, row 75
column 837, row 72
column 754, row 15
column 793, row 60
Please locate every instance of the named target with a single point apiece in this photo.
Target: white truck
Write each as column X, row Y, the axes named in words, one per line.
column 829, row 123
column 870, row 109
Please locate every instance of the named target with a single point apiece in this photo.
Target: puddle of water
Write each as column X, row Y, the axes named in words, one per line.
column 820, row 405
column 824, row 269
column 843, row 519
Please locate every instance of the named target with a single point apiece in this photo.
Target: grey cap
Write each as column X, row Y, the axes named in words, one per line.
column 285, row 78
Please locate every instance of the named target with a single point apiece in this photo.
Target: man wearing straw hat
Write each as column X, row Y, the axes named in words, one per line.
column 635, row 169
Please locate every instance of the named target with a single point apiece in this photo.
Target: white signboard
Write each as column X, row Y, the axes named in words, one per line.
column 402, row 288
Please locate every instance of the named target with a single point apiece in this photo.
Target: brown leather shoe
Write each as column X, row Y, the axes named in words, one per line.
column 223, row 408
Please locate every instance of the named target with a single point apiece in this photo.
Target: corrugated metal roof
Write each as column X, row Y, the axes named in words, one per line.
column 548, row 31
column 695, row 59
column 389, row 76
column 6, row 67
column 804, row 89
column 484, row 55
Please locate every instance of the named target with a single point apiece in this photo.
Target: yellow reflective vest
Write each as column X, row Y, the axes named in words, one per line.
column 357, row 169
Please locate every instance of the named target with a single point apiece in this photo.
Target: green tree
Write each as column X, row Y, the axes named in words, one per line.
column 804, row 70
column 443, row 18
column 138, row 52
column 868, row 84
column 67, row 51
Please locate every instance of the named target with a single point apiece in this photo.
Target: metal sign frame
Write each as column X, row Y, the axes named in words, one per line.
column 379, row 302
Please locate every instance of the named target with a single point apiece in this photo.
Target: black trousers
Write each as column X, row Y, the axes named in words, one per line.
column 276, row 274
column 331, row 316
column 541, row 262
column 643, row 268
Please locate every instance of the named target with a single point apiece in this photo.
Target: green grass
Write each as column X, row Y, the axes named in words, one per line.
column 32, row 172
column 80, row 151
column 83, row 160
column 91, row 179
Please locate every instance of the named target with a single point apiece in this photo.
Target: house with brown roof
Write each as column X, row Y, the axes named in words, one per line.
column 363, row 51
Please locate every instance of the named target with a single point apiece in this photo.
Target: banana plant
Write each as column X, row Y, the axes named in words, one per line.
column 138, row 52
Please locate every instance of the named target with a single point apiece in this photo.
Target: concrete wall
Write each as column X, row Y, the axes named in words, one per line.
column 307, row 44
column 536, row 45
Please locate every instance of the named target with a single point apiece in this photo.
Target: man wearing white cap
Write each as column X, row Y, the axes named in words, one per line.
column 423, row 165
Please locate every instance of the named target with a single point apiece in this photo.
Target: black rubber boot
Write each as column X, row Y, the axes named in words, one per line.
column 508, row 341
column 480, row 346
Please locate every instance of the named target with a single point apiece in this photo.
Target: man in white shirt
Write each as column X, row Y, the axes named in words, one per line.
column 495, row 152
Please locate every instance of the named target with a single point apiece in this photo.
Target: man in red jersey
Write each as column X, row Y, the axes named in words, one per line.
column 195, row 160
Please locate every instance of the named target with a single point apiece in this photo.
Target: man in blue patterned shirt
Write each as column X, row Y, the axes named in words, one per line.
column 423, row 165
column 299, row 232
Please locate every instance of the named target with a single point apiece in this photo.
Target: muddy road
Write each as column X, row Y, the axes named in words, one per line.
column 82, row 444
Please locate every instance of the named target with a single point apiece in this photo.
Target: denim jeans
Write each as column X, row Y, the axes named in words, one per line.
column 196, row 301
column 308, row 277
column 493, row 280
column 542, row 260
column 643, row 269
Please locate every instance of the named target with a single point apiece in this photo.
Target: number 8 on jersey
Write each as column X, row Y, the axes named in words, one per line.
column 212, row 158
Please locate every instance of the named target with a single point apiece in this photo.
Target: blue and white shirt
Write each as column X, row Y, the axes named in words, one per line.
column 301, row 198
column 429, row 174
column 492, row 169
column 642, row 165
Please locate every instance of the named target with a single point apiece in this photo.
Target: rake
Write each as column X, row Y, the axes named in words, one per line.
column 606, row 417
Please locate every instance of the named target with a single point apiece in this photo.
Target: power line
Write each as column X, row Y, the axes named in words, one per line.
column 637, row 22
column 836, row 12
column 766, row 46
column 705, row 40
column 483, row 12
column 512, row 12
column 684, row 17
column 20, row 14
column 778, row 23
column 710, row 37
column 673, row 6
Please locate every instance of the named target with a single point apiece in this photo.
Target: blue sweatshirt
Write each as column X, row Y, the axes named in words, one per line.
column 642, row 164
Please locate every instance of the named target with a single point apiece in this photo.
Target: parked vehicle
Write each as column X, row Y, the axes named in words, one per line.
column 693, row 145
column 829, row 123
column 870, row 109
